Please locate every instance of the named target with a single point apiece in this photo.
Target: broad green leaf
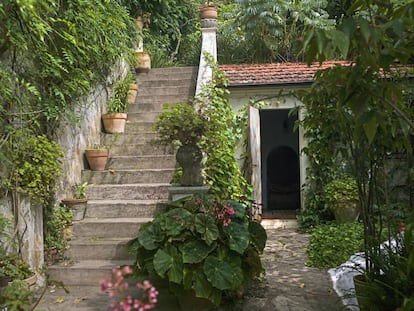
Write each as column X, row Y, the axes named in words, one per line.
column 258, row 235
column 370, row 128
column 150, row 235
column 202, row 287
column 195, row 251
column 206, row 226
column 162, row 262
column 341, row 41
column 239, row 237
column 365, row 30
column 176, row 220
column 221, row 274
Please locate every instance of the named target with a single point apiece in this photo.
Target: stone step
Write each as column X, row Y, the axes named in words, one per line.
column 141, row 149
column 99, row 249
column 128, row 139
column 163, row 99
column 180, row 89
column 139, row 126
column 128, row 192
column 170, row 73
column 150, row 106
column 108, row 227
column 84, row 272
column 142, row 116
column 128, row 176
column 116, row 208
column 142, row 162
column 160, row 81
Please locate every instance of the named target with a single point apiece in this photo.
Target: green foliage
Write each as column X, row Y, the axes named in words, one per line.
column 56, row 221
column 35, row 166
column 79, row 190
column 271, row 28
column 6, row 239
column 394, row 288
column 341, row 190
column 222, row 170
column 332, row 244
column 368, row 115
column 118, row 103
column 16, row 297
column 13, row 266
column 202, row 244
column 180, row 123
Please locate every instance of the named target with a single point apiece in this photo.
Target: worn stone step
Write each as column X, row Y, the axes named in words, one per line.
column 108, row 227
column 180, row 89
column 128, row 176
column 161, row 81
column 128, row 191
column 139, row 126
column 142, row 162
column 128, row 139
column 140, row 106
column 149, row 116
column 173, row 73
column 99, row 249
column 141, row 149
column 116, row 208
column 84, row 272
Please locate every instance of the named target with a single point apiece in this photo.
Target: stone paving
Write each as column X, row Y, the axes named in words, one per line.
column 288, row 286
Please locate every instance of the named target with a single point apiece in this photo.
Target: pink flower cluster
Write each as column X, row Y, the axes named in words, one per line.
column 224, row 213
column 116, row 285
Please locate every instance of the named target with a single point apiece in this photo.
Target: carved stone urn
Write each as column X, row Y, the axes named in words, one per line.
column 189, row 157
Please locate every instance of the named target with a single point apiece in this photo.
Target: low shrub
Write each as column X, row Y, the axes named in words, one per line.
column 332, row 244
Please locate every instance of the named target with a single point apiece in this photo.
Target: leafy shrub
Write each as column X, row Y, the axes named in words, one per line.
column 57, row 219
column 332, row 244
column 203, row 245
column 16, row 297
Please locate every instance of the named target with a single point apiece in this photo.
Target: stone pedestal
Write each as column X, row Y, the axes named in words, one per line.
column 179, row 192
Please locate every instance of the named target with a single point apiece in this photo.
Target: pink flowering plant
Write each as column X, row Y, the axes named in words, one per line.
column 126, row 298
column 202, row 245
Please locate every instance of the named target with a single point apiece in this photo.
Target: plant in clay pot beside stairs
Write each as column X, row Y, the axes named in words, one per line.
column 115, row 119
column 78, row 202
column 97, row 157
column 184, row 125
column 208, row 11
column 341, row 196
column 205, row 248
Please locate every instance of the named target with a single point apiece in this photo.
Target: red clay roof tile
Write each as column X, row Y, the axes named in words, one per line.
column 273, row 74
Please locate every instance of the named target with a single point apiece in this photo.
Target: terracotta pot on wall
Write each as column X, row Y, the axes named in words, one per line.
column 208, row 12
column 114, row 122
column 132, row 93
column 97, row 158
column 143, row 62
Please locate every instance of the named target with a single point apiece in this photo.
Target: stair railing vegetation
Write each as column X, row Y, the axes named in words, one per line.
column 51, row 55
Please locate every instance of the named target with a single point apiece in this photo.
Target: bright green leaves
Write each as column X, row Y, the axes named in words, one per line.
column 169, row 261
column 238, row 234
column 206, row 226
column 258, row 235
column 195, row 251
column 223, row 275
column 175, row 221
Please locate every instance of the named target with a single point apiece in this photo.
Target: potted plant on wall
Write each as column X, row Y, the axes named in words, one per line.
column 341, row 195
column 184, row 125
column 115, row 119
column 78, row 202
column 97, row 157
column 208, row 11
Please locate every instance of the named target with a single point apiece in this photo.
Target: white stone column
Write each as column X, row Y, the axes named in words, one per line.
column 209, row 45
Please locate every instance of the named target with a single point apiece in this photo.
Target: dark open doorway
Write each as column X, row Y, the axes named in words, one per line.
column 280, row 164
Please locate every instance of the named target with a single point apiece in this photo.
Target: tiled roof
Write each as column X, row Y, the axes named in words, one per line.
column 273, row 74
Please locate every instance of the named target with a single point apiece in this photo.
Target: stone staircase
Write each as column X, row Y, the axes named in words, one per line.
column 132, row 189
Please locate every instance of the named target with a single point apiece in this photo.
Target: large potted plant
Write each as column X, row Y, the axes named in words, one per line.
column 184, row 125
column 115, row 119
column 78, row 202
column 341, row 196
column 203, row 247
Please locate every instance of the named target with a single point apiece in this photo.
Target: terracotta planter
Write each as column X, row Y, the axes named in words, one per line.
column 143, row 62
column 114, row 122
column 132, row 93
column 208, row 12
column 78, row 206
column 97, row 158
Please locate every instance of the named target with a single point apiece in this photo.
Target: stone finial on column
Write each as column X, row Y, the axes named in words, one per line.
column 208, row 15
